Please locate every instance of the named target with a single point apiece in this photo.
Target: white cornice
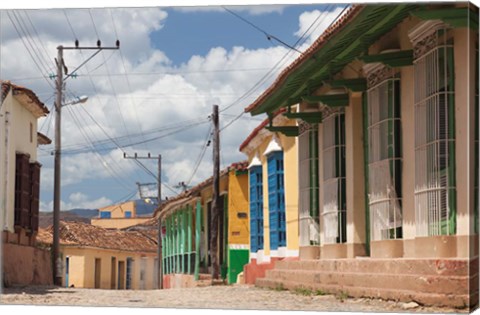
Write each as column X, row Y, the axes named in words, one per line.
column 424, row 29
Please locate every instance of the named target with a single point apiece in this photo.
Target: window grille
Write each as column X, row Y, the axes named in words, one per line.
column 308, row 182
column 256, row 208
column 276, row 200
column 435, row 196
column 384, row 160
column 334, row 188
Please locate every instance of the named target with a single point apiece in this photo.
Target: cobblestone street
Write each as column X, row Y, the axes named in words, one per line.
column 239, row 297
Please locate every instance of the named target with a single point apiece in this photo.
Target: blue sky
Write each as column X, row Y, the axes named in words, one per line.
column 173, row 65
column 196, row 32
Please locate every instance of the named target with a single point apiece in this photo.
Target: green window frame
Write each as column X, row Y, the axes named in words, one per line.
column 309, row 185
column 334, row 210
column 384, row 160
column 435, row 186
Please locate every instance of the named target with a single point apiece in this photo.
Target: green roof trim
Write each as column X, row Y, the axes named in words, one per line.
column 349, row 43
column 289, row 131
column 455, row 17
column 333, row 100
column 392, row 59
column 354, row 85
column 309, row 117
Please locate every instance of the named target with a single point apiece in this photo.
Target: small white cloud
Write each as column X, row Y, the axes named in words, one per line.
column 77, row 200
column 312, row 24
column 250, row 9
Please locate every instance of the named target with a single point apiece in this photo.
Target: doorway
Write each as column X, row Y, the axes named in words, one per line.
column 121, row 275
column 98, row 272
column 128, row 285
column 67, row 270
column 113, row 270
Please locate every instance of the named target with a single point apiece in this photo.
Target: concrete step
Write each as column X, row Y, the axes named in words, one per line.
column 423, row 298
column 440, row 284
column 450, row 267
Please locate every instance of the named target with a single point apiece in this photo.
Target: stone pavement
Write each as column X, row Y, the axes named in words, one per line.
column 240, row 297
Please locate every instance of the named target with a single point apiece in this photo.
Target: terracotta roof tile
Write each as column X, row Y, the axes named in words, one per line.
column 86, row 235
column 7, row 86
column 255, row 131
column 317, row 45
column 192, row 192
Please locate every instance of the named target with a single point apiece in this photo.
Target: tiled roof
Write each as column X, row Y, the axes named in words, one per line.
column 86, row 235
column 43, row 139
column 238, row 166
column 7, row 86
column 255, row 131
column 309, row 53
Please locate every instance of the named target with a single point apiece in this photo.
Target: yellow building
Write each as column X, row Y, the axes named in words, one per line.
column 273, row 196
column 118, row 216
column 186, row 222
column 20, row 109
column 94, row 257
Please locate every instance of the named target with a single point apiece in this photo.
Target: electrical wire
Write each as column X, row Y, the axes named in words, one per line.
column 269, row 73
column 127, row 80
column 268, row 35
column 28, row 50
column 201, row 155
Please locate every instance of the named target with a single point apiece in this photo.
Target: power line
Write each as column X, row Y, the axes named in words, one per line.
column 28, row 49
column 261, row 81
column 201, row 155
column 268, row 35
column 127, row 79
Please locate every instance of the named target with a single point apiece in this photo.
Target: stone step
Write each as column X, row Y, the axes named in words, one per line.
column 451, row 267
column 422, row 283
column 204, row 276
column 447, row 300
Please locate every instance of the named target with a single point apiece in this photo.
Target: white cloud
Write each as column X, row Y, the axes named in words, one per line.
column 169, row 99
column 77, row 200
column 250, row 9
column 314, row 23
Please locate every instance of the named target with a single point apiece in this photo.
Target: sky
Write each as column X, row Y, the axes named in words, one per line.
column 155, row 94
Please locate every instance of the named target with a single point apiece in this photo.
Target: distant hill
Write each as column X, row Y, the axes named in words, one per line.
column 74, row 215
column 85, row 215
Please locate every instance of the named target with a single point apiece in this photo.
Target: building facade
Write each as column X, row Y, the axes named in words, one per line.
column 388, row 106
column 119, row 216
column 273, row 196
column 20, row 186
column 98, row 258
column 186, row 226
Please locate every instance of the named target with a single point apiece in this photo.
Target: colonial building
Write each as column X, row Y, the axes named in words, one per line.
column 119, row 216
column 95, row 257
column 186, row 222
column 22, row 263
column 273, row 195
column 386, row 103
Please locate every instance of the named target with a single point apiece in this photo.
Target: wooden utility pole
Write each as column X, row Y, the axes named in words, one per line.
column 57, row 262
column 216, row 196
column 159, row 279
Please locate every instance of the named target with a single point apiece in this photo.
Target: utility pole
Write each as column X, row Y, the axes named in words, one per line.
column 159, row 200
column 216, row 197
column 57, row 262
column 61, row 68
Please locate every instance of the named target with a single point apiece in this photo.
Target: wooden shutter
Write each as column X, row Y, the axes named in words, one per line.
column 34, row 195
column 22, row 190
